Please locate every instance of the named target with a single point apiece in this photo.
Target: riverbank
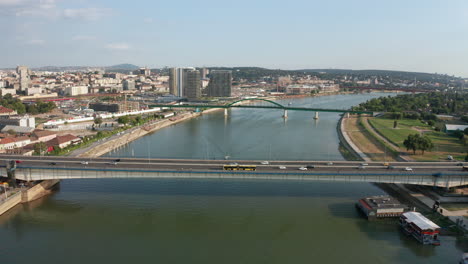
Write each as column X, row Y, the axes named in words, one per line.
column 359, row 136
column 27, row 194
column 136, row 133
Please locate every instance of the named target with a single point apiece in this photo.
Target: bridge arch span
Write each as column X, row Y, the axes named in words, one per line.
column 255, row 99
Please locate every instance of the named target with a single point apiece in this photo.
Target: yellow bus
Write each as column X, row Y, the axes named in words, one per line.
column 240, row 167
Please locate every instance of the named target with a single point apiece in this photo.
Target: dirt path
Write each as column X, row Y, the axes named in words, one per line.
column 374, row 133
column 364, row 141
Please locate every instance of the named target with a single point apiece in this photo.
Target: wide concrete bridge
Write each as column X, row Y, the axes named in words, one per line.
column 441, row 174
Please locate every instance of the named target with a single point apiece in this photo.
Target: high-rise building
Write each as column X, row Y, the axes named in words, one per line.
column 204, row 72
column 192, row 84
column 220, row 84
column 128, row 85
column 24, row 78
column 145, row 71
column 173, row 81
column 177, row 80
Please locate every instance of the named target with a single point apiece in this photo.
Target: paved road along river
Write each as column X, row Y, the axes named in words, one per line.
column 218, row 221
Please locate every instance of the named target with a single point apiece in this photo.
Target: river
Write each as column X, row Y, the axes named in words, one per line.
column 218, row 221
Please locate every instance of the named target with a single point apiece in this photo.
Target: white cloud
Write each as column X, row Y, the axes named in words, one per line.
column 49, row 9
column 11, row 2
column 86, row 13
column 36, row 42
column 118, row 46
column 83, row 37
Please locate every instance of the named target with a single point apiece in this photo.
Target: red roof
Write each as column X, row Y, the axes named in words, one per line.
column 5, row 110
column 8, row 140
column 62, row 139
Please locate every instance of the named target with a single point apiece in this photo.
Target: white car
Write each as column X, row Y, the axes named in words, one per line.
column 282, row 167
column 364, row 164
column 329, row 163
column 84, row 162
column 408, row 169
column 303, row 168
column 265, row 162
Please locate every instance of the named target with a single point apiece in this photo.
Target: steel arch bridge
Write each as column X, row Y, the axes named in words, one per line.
column 274, row 105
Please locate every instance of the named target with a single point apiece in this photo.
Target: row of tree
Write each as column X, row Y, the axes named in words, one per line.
column 423, row 103
column 418, row 142
column 21, row 108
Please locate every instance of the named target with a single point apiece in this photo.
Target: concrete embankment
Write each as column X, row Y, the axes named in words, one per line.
column 348, row 143
column 27, row 195
column 138, row 133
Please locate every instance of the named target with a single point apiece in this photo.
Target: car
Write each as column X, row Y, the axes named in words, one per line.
column 282, row 167
column 386, row 164
column 310, row 166
column 391, row 167
column 460, row 164
column 84, row 162
column 233, row 164
column 449, row 157
column 329, row 163
column 265, row 162
column 303, row 168
column 52, row 163
column 113, row 163
column 361, row 167
column 364, row 164
column 408, row 169
column 18, row 161
column 438, row 174
column 117, row 160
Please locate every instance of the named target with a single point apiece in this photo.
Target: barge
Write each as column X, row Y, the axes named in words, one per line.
column 380, row 207
column 422, row 229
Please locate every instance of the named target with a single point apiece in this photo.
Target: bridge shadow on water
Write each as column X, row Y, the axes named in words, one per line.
column 221, row 187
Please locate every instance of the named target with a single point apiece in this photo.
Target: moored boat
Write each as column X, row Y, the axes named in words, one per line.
column 422, row 229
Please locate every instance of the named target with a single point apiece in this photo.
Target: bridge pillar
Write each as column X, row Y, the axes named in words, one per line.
column 225, row 112
column 285, row 114
column 347, row 115
column 316, row 115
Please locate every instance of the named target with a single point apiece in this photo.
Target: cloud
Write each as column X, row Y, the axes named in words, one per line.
column 118, row 46
column 86, row 13
column 49, row 9
column 36, row 42
column 148, row 20
column 83, row 37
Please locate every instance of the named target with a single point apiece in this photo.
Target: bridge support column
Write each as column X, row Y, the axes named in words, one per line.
column 225, row 112
column 285, row 114
column 316, row 115
column 347, row 115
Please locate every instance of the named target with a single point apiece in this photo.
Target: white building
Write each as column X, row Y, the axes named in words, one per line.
column 76, row 90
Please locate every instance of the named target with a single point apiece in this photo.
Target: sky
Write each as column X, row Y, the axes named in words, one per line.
column 409, row 35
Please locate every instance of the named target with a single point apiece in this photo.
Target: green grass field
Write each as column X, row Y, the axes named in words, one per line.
column 397, row 135
column 443, row 144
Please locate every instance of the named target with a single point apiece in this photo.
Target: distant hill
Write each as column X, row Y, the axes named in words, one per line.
column 125, row 66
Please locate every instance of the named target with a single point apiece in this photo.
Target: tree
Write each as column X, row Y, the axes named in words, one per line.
column 98, row 120
column 424, row 143
column 11, row 132
column 123, row 120
column 395, row 123
column 40, row 148
column 411, row 142
column 430, row 122
column 465, row 131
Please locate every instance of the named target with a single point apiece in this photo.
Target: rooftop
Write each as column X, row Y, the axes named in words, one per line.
column 377, row 202
column 419, row 220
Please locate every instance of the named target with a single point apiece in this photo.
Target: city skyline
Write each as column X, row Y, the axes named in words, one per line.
column 420, row 36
